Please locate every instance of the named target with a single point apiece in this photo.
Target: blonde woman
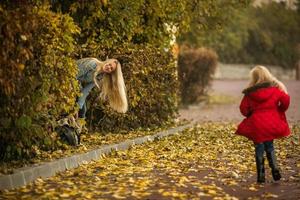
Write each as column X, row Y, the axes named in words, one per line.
column 107, row 77
column 264, row 104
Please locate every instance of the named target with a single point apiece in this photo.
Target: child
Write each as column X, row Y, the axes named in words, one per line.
column 264, row 104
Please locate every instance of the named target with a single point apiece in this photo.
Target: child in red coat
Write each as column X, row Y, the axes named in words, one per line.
column 264, row 104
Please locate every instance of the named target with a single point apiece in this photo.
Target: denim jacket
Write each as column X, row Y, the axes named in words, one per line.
column 86, row 69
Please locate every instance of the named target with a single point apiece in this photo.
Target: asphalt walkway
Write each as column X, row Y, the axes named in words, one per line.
column 229, row 109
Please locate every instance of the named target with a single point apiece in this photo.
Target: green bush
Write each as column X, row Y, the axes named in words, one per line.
column 43, row 85
column 133, row 32
column 151, row 79
column 196, row 68
column 38, row 72
column 37, row 78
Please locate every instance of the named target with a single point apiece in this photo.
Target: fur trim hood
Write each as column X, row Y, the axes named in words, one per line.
column 248, row 90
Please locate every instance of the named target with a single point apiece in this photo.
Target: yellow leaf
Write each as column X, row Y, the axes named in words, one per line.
column 21, row 66
column 252, row 188
column 270, row 195
column 212, row 192
column 166, row 193
column 64, row 195
column 117, row 196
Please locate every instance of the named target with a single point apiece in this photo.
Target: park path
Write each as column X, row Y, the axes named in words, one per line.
column 206, row 161
column 228, row 111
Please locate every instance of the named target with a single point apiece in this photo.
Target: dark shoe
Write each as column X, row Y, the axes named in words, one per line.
column 273, row 165
column 276, row 175
column 261, row 177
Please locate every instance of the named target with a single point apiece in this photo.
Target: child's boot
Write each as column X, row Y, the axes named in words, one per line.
column 273, row 165
column 260, row 167
column 260, row 162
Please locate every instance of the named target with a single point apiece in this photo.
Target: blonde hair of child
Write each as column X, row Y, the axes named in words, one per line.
column 260, row 74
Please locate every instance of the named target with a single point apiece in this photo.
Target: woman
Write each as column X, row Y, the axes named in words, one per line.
column 107, row 77
column 264, row 104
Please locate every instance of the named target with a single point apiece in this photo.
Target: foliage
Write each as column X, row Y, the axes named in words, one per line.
column 229, row 41
column 152, row 85
column 111, row 23
column 274, row 38
column 195, row 70
column 37, row 78
column 137, row 33
column 207, row 161
column 155, row 22
column 266, row 35
column 89, row 142
column 212, row 17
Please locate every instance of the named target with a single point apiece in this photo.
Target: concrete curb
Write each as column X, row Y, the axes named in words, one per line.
column 25, row 175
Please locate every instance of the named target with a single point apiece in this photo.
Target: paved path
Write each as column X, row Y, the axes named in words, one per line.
column 230, row 111
column 205, row 162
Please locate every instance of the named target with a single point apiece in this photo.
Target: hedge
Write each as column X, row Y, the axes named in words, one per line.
column 41, row 41
column 196, row 67
column 132, row 32
column 152, row 85
column 37, row 77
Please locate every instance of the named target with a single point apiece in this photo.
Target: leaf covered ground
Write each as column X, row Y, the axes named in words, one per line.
column 204, row 162
column 88, row 142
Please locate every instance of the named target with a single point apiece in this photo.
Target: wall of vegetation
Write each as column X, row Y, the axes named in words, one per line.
column 152, row 91
column 40, row 41
column 37, row 77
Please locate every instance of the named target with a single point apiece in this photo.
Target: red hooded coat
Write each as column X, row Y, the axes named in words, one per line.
column 264, row 107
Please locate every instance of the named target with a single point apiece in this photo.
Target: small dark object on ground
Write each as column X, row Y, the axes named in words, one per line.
column 70, row 129
column 69, row 134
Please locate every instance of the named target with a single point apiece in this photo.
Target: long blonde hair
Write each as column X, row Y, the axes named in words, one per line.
column 260, row 74
column 112, row 86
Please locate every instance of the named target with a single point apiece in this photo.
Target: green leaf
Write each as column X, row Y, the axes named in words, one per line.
column 47, row 141
column 23, row 122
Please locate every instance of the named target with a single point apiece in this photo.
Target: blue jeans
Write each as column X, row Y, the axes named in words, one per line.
column 260, row 148
column 268, row 147
column 82, row 99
